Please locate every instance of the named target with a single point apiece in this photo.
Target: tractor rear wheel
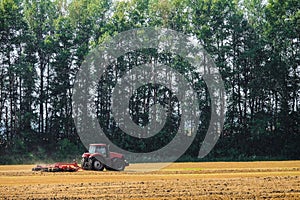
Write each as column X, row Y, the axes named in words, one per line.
column 118, row 164
column 97, row 165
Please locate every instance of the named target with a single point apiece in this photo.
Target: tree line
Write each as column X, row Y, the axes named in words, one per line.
column 255, row 45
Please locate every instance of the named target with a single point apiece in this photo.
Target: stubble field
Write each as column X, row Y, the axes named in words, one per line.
column 205, row 180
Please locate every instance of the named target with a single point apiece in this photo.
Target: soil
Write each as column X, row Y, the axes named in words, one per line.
column 203, row 180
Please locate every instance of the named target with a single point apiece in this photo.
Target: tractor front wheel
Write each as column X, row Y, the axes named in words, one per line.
column 97, row 165
column 85, row 164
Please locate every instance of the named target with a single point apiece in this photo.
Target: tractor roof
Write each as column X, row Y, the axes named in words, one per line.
column 100, row 144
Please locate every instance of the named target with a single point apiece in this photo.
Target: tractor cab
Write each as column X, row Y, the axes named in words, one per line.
column 101, row 149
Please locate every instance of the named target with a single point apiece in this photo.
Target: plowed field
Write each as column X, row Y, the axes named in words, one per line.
column 205, row 180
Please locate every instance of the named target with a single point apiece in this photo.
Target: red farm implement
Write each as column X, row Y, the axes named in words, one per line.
column 58, row 167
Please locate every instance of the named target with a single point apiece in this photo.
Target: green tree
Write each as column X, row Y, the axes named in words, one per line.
column 12, row 42
column 283, row 43
column 40, row 17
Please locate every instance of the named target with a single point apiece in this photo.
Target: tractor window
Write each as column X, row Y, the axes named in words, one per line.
column 92, row 149
column 101, row 150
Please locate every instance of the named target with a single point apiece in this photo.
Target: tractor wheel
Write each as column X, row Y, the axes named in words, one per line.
column 118, row 164
column 85, row 164
column 97, row 165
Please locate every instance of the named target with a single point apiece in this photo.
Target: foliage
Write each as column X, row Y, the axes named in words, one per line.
column 255, row 45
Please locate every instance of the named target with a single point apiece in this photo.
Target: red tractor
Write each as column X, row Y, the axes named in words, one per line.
column 99, row 157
